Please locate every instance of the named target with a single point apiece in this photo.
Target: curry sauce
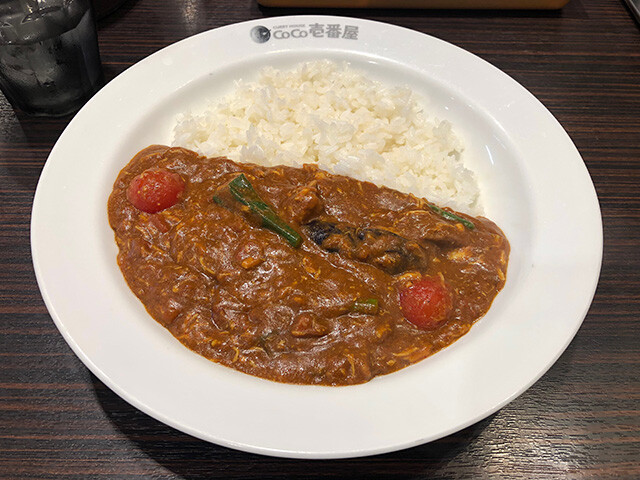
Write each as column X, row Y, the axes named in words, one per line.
column 333, row 308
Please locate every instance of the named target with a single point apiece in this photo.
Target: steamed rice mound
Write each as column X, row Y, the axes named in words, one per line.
column 330, row 114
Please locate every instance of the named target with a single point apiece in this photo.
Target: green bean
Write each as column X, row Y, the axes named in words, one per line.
column 451, row 216
column 366, row 305
column 218, row 201
column 243, row 191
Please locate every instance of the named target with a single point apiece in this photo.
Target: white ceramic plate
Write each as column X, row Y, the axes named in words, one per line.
column 535, row 186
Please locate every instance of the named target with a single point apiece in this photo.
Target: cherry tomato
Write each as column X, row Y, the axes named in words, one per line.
column 426, row 303
column 155, row 189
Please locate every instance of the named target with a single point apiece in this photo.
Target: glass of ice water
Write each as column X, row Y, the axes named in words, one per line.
column 49, row 58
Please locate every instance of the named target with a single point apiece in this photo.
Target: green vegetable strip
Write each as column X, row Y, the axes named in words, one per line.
column 243, row 191
column 368, row 306
column 451, row 216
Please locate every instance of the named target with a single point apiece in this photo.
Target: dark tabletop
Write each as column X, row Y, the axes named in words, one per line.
column 581, row 420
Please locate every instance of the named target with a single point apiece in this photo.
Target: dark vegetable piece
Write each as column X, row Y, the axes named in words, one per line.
column 451, row 216
column 381, row 248
column 155, row 189
column 426, row 303
column 367, row 305
column 319, row 230
column 243, row 191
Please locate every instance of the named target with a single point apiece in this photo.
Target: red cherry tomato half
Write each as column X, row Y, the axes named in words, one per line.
column 154, row 190
column 426, row 303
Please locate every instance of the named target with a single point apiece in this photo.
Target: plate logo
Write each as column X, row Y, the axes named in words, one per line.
column 262, row 34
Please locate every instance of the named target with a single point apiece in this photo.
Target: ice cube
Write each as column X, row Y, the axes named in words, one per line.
column 42, row 25
column 74, row 9
column 50, row 3
column 8, row 33
column 57, row 20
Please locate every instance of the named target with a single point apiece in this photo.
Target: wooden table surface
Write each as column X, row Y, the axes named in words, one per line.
column 581, row 420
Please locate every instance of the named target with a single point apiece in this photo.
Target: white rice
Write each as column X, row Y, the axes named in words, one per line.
column 330, row 114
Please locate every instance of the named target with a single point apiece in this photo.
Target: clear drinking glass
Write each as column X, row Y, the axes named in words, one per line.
column 49, row 58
